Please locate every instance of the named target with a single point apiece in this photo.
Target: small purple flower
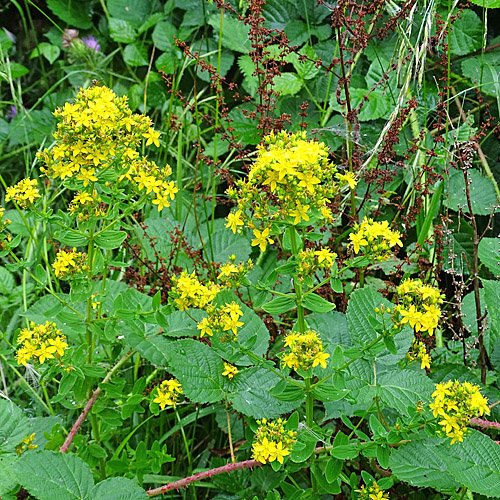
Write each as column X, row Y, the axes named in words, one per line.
column 91, row 42
column 12, row 112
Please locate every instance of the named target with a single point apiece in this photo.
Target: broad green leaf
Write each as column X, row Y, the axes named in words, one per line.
column 305, row 69
column 181, row 325
column 251, row 395
column 277, row 14
column 459, row 246
column 7, row 282
column 75, row 14
column 475, row 463
column 70, row 239
column 17, row 70
column 198, row 369
column 492, row 301
column 361, row 314
column 420, row 463
column 401, row 389
column 489, row 254
column 163, row 36
column 466, row 33
column 50, row 475
column 121, row 31
column 8, row 478
column 136, row 12
column 287, row 84
column 47, row 50
column 431, row 213
column 253, row 335
column 135, row 55
column 14, row 425
column 245, row 129
column 234, row 33
column 375, row 107
column 482, row 193
column 110, row 239
column 332, row 328
column 487, row 4
column 279, row 305
column 317, row 304
column 118, row 488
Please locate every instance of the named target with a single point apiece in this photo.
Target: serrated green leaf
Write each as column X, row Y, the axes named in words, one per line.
column 492, row 300
column 7, row 282
column 401, row 389
column 234, row 32
column 163, row 36
column 251, row 394
column 489, row 254
column 287, row 84
column 118, row 488
column 49, row 475
column 75, row 14
column 198, row 369
column 136, row 12
column 421, row 463
column 466, row 33
column 14, row 425
column 135, row 55
column 121, row 31
column 376, row 107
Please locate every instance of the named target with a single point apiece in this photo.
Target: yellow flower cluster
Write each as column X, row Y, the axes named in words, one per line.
column 272, row 441
column 373, row 492
column 232, row 275
column 229, row 370
column 347, row 179
column 97, row 139
column 223, row 319
column 69, row 263
column 311, row 260
column 24, row 193
column 87, row 205
column 39, row 343
column 306, row 351
column 291, row 180
column 374, row 239
column 190, row 292
column 419, row 351
column 26, row 444
column 169, row 392
column 418, row 305
column 4, row 222
column 456, row 403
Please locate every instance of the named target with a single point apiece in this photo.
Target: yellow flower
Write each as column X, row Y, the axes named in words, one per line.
column 234, row 220
column 161, row 201
column 152, row 137
column 261, row 239
column 229, row 370
column 300, row 213
column 357, row 240
column 205, row 327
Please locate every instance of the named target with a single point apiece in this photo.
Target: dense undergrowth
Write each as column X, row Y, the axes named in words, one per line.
column 249, row 249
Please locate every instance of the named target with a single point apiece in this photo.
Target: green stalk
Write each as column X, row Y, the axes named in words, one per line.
column 178, row 201
column 309, row 403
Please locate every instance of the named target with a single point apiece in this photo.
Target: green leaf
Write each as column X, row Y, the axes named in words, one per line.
column 245, row 129
column 459, row 244
column 475, row 463
column 279, row 305
column 482, row 193
column 75, row 14
column 163, row 36
column 361, row 314
column 47, row 50
column 136, row 12
column 17, row 70
column 118, row 488
column 234, row 33
column 400, row 389
column 135, row 55
column 251, row 394
column 7, row 282
column 121, row 31
column 492, row 300
column 287, row 84
column 421, row 463
column 306, row 69
column 376, row 106
column 14, row 425
column 487, row 4
column 50, row 475
column 8, row 479
column 317, row 304
column 71, row 239
column 110, row 239
column 466, row 33
column 198, row 369
column 431, row 213
column 489, row 254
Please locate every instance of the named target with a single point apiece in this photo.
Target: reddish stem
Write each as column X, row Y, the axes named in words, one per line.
column 246, row 464
column 484, row 423
column 72, row 433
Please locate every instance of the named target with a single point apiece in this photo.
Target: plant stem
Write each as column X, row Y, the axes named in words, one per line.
column 309, row 403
